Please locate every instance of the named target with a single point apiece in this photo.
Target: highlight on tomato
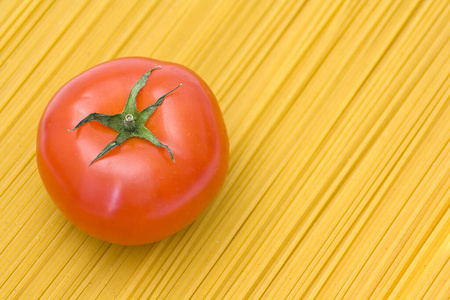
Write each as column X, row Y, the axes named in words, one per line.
column 133, row 150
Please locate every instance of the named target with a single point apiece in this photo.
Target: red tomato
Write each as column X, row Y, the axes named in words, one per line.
column 135, row 193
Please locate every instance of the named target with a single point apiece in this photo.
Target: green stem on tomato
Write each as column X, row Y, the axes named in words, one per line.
column 130, row 123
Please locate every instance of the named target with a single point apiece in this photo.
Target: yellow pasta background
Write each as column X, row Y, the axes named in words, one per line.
column 338, row 117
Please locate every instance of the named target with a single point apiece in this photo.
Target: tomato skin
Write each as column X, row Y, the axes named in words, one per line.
column 135, row 194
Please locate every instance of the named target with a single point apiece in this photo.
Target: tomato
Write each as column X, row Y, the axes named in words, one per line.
column 134, row 184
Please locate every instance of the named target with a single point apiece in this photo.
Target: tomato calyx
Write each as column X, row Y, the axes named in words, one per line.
column 130, row 123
